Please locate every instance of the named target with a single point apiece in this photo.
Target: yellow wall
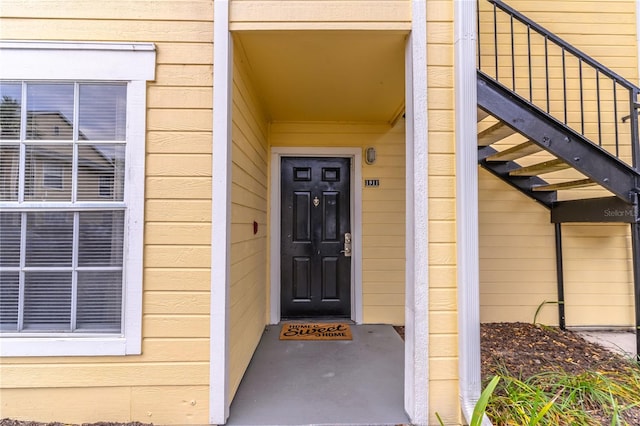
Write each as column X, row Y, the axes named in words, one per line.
column 443, row 339
column 383, row 208
column 517, row 254
column 168, row 383
column 248, row 204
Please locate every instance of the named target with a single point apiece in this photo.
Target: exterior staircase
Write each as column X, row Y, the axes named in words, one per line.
column 558, row 126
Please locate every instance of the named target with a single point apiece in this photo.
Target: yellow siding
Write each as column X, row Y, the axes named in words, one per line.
column 320, row 14
column 383, row 208
column 443, row 326
column 517, row 253
column 248, row 204
column 166, row 384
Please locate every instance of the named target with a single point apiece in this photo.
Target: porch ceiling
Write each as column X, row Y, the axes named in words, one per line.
column 347, row 76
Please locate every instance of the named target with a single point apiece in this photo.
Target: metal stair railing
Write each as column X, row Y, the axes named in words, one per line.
column 566, row 83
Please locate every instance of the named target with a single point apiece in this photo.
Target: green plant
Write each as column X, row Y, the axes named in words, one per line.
column 481, row 405
column 539, row 308
column 566, row 399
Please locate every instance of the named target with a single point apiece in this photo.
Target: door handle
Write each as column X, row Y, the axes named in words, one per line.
column 347, row 245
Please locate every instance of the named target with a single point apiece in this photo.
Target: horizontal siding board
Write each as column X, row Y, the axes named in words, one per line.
column 168, row 97
column 173, row 142
column 443, row 369
column 72, row 405
column 176, row 302
column 178, row 233
column 92, row 375
column 178, row 187
column 383, row 314
column 171, row 404
column 320, row 11
column 165, row 278
column 177, row 256
column 178, row 165
column 166, row 10
column 178, row 53
column 108, row 29
column 191, row 120
column 180, row 75
column 176, row 326
column 178, row 211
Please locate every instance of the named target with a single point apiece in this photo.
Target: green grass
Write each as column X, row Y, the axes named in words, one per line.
column 560, row 398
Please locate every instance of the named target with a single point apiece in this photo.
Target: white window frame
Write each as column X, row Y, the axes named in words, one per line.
column 53, row 171
column 133, row 63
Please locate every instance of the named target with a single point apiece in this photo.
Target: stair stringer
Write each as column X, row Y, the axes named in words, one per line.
column 558, row 139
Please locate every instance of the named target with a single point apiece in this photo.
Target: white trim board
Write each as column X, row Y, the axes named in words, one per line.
column 356, row 222
column 61, row 60
column 219, row 401
column 416, row 363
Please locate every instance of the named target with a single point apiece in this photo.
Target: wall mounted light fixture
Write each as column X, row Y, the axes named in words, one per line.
column 370, row 155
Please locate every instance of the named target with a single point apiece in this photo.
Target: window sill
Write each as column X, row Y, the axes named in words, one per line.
column 66, row 346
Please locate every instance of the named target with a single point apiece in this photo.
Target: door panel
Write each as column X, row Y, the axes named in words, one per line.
column 315, row 274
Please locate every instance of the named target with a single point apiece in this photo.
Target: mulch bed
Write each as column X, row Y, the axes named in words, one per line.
column 526, row 349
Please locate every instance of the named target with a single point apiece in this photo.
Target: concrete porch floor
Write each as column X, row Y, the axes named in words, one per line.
column 357, row 382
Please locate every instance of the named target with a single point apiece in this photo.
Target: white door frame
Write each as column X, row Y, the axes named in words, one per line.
column 356, row 222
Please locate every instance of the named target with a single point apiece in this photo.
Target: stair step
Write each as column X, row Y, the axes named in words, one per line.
column 518, row 151
column 482, row 114
column 541, row 168
column 494, row 134
column 581, row 183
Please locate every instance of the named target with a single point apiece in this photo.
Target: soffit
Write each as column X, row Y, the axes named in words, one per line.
column 346, row 76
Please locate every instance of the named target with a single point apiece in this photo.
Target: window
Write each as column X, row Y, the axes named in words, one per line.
column 70, row 209
column 51, row 173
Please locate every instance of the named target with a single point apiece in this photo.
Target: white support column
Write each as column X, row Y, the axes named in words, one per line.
column 416, row 364
column 220, row 216
column 467, row 203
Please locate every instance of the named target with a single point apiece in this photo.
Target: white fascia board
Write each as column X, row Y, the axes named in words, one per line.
column 37, row 60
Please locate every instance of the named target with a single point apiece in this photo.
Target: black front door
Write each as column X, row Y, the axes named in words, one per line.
column 315, row 270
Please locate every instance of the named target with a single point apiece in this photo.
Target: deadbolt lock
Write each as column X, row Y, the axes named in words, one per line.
column 347, row 245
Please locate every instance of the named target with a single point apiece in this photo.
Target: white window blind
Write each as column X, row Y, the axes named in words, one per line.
column 63, row 211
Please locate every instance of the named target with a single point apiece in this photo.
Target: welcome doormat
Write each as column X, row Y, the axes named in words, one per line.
column 315, row 331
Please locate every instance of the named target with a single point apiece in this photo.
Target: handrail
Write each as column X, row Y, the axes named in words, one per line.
column 560, row 42
column 610, row 125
